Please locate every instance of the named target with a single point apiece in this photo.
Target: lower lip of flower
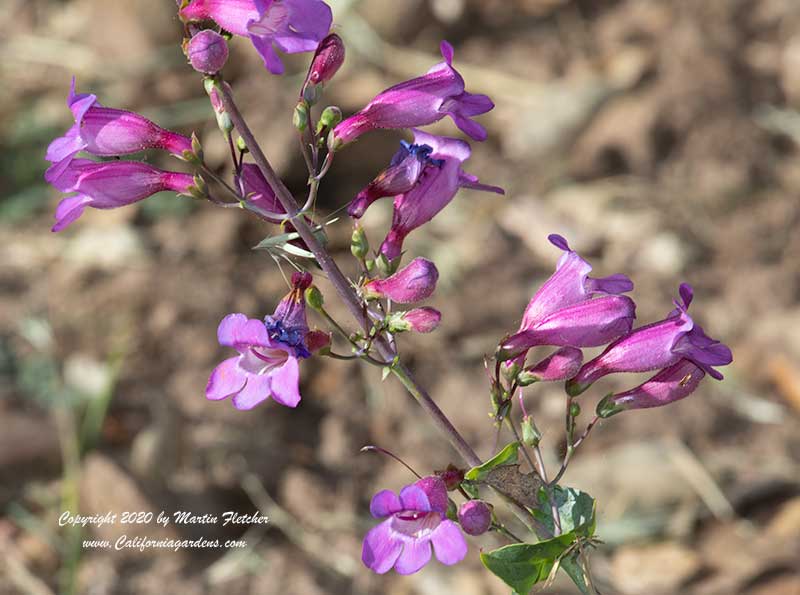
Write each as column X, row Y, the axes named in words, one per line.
column 259, row 361
column 416, row 524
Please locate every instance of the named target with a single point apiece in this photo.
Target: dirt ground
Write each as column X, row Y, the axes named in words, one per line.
column 660, row 137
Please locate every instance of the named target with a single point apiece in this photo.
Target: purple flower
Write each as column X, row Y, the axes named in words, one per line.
column 416, row 519
column 655, row 346
column 669, row 385
column 231, row 15
column 560, row 365
column 434, row 188
column 420, row 101
column 475, row 517
column 258, row 192
column 401, row 176
column 419, row 320
column 267, row 364
column 590, row 323
column 207, row 52
column 291, row 26
column 567, row 286
column 108, row 132
column 107, row 185
column 328, row 58
column 413, row 283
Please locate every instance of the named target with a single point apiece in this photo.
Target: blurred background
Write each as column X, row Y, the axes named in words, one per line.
column 661, row 138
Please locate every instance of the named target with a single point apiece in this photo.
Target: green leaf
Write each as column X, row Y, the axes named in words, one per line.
column 522, row 565
column 575, row 509
column 572, row 566
column 507, row 456
column 471, row 489
column 282, row 242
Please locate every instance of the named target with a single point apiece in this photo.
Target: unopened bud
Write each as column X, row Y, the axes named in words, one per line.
column 241, row 145
column 530, row 433
column 359, row 244
column 314, row 298
column 214, row 94
column 510, row 371
column 452, row 477
column 574, row 410
column 329, row 118
column 207, row 52
column 300, row 116
column 475, row 517
column 327, row 60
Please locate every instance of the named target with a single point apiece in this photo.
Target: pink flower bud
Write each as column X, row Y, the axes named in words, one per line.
column 475, row 517
column 327, row 60
column 207, row 52
column 413, row 283
column 419, row 320
column 561, row 365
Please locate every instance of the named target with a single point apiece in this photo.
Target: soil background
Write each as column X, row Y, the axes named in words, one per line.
column 660, row 137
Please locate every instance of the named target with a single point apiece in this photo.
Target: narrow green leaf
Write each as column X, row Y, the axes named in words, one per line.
column 507, row 456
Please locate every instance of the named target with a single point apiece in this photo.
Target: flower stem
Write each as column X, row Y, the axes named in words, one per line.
column 339, row 281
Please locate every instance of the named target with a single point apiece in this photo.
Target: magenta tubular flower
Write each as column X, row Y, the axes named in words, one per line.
column 401, row 176
column 207, row 52
column 291, row 26
column 327, row 60
column 669, row 385
column 655, row 346
column 420, row 101
column 436, row 185
column 568, row 285
column 475, row 517
column 108, row 185
column 413, row 283
column 416, row 519
column 561, row 365
column 108, row 132
column 231, row 15
column 590, row 323
column 267, row 364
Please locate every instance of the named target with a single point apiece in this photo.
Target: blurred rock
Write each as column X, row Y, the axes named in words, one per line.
column 106, row 247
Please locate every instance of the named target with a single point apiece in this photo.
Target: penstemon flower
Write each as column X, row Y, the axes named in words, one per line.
column 436, row 185
column 401, row 176
column 269, row 351
column 418, row 102
column 413, row 283
column 291, row 26
column 108, row 185
column 669, row 385
column 108, row 132
column 655, row 346
column 414, row 520
column 561, row 365
column 567, row 286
